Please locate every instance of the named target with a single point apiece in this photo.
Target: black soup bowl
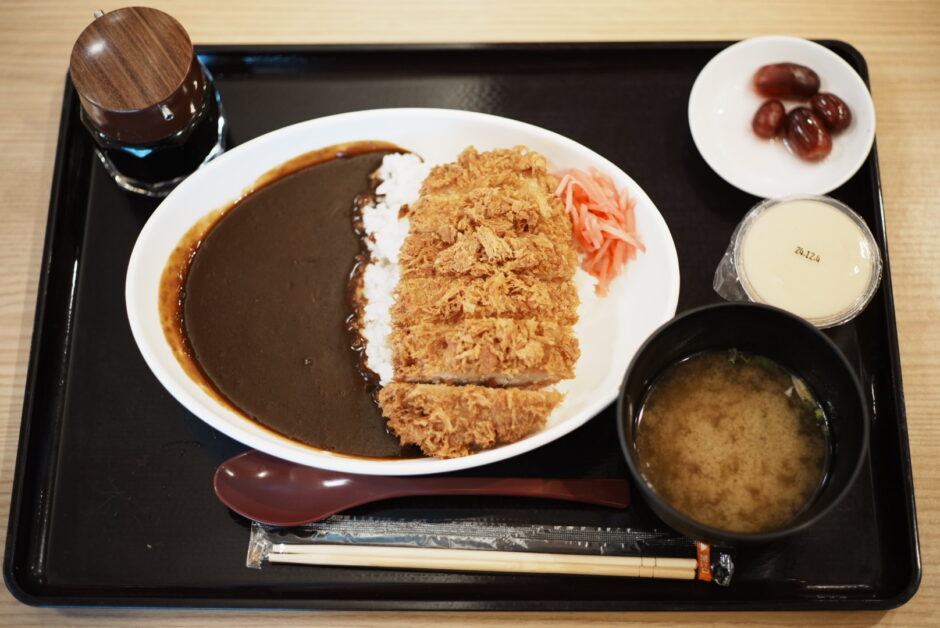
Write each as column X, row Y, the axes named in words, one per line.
column 791, row 342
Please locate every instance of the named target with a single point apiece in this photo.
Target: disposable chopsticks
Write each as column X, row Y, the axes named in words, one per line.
column 483, row 560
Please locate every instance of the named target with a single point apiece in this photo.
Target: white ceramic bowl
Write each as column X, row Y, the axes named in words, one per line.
column 610, row 329
column 723, row 101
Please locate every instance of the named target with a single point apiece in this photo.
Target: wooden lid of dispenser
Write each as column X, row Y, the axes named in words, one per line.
column 137, row 75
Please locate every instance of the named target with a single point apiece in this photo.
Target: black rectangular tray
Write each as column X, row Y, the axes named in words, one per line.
column 113, row 502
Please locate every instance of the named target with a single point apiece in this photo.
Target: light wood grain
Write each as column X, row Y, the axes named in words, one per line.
column 901, row 41
column 482, row 560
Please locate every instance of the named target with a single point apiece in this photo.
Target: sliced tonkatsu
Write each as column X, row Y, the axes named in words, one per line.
column 500, row 295
column 481, row 252
column 491, row 351
column 484, row 307
column 506, row 211
column 451, row 421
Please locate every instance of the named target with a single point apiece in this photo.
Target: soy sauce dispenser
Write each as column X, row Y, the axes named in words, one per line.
column 149, row 103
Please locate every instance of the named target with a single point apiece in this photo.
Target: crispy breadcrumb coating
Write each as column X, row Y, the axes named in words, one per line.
column 502, row 167
column 494, row 351
column 452, row 421
column 508, row 190
column 501, row 295
column 527, row 208
column 481, row 253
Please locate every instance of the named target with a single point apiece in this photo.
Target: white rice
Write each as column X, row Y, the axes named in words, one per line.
column 401, row 176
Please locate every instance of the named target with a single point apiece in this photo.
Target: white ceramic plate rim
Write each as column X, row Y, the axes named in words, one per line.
column 766, row 168
column 224, row 179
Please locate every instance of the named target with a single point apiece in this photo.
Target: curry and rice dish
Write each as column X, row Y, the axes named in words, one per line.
column 361, row 302
column 255, row 302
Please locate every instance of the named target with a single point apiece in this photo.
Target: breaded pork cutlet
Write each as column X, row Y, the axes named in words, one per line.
column 485, row 303
column 526, row 209
column 501, row 295
column 492, row 351
column 482, row 253
column 499, row 168
column 509, row 191
column 452, row 421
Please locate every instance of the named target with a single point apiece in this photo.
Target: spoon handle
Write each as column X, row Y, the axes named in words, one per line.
column 614, row 493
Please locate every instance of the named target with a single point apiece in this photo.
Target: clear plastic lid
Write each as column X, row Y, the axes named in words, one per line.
column 810, row 255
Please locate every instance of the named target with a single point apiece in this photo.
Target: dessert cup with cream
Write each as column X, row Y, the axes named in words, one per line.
column 810, row 255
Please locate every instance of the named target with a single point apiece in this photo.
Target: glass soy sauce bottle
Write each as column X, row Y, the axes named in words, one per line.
column 149, row 103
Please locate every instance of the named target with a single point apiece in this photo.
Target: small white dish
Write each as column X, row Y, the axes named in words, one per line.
column 723, row 101
column 610, row 330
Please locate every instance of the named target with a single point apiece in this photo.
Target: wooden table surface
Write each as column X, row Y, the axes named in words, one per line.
column 900, row 40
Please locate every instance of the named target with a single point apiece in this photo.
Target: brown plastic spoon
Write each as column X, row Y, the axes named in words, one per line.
column 282, row 493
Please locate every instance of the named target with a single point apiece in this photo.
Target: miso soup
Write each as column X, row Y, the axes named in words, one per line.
column 733, row 441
